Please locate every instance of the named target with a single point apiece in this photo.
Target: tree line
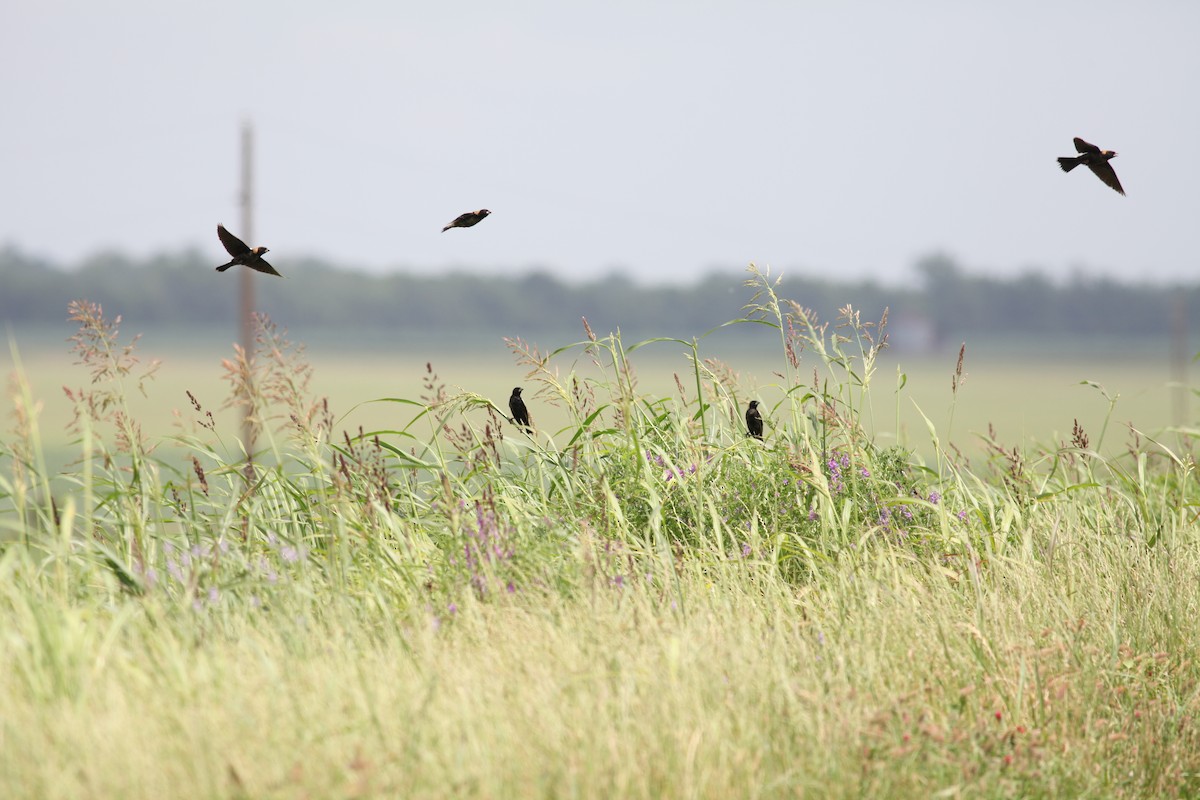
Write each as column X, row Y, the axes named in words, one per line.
column 946, row 300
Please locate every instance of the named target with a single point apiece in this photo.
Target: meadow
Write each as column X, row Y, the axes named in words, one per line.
column 638, row 600
column 1012, row 391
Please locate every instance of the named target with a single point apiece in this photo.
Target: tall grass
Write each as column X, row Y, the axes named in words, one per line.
column 646, row 602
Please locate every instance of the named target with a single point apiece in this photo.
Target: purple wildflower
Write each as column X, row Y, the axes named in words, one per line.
column 835, row 474
column 267, row 570
column 934, row 497
column 962, row 515
column 746, row 550
column 487, row 544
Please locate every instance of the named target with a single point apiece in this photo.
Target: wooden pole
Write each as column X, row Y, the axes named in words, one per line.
column 246, row 313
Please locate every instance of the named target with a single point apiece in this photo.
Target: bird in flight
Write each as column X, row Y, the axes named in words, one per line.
column 754, row 421
column 1094, row 159
column 519, row 412
column 468, row 219
column 242, row 254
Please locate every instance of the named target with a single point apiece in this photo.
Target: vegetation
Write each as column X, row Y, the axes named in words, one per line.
column 946, row 304
column 643, row 603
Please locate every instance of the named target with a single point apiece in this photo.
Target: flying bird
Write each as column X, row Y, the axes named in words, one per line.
column 1094, row 159
column 242, row 254
column 468, row 219
column 754, row 422
column 520, row 413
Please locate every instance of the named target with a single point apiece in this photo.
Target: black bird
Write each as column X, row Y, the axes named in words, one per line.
column 1094, row 159
column 468, row 219
column 754, row 421
column 242, row 254
column 520, row 413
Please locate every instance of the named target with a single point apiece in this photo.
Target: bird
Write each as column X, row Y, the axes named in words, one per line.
column 242, row 254
column 754, row 422
column 468, row 219
column 1096, row 160
column 520, row 413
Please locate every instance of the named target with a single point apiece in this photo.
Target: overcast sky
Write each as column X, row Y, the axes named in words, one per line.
column 661, row 138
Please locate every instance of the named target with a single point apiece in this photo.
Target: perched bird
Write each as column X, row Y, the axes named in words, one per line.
column 468, row 219
column 754, row 422
column 520, row 413
column 1096, row 160
column 242, row 254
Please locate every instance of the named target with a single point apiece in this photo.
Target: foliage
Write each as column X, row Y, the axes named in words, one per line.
column 946, row 300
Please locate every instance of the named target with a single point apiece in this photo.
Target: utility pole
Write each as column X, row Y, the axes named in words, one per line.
column 246, row 315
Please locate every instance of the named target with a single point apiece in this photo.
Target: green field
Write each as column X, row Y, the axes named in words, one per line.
column 1023, row 396
column 638, row 601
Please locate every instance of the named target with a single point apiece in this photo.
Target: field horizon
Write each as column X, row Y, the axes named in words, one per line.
column 1021, row 388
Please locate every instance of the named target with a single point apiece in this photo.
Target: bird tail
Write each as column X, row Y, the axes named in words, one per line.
column 224, row 267
column 448, row 227
column 1068, row 163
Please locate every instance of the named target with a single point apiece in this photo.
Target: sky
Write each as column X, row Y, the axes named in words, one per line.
column 662, row 139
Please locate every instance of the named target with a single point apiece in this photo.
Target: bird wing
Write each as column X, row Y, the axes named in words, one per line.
column 1106, row 173
column 1085, row 147
column 520, row 413
column 260, row 264
column 234, row 245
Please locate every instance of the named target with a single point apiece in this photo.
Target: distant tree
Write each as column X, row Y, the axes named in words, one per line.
column 181, row 288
